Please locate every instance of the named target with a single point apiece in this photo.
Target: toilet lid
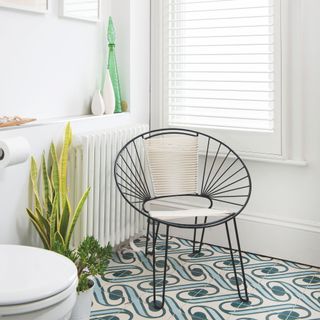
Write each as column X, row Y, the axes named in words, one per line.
column 29, row 274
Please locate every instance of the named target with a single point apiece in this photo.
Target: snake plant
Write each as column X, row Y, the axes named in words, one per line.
column 52, row 215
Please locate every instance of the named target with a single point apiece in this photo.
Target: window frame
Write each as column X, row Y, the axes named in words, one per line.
column 251, row 144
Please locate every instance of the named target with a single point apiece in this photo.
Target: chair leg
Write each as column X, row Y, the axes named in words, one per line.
column 195, row 236
column 159, row 304
column 147, row 236
column 241, row 262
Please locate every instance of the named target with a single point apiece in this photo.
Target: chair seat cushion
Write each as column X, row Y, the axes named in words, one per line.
column 194, row 212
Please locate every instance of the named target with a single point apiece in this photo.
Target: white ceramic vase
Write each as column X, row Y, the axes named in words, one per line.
column 108, row 94
column 97, row 104
column 82, row 308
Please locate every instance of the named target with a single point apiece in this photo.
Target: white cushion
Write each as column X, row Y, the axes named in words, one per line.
column 195, row 212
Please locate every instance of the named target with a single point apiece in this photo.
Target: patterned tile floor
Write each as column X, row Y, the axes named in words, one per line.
column 202, row 287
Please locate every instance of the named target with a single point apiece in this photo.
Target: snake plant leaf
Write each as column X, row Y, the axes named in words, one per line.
column 44, row 223
column 64, row 222
column 55, row 168
column 46, row 186
column 34, row 181
column 76, row 216
column 58, row 238
column 55, row 175
column 39, row 229
column 53, row 218
column 64, row 162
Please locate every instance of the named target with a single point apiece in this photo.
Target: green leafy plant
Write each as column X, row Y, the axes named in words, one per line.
column 52, row 215
column 90, row 258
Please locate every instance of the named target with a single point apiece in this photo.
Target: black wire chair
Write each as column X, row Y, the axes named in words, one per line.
column 223, row 184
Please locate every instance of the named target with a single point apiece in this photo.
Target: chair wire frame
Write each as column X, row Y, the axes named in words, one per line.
column 223, row 180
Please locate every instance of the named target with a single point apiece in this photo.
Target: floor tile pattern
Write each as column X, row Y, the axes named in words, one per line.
column 202, row 286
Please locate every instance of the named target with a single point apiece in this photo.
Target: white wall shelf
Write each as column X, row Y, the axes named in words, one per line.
column 52, row 121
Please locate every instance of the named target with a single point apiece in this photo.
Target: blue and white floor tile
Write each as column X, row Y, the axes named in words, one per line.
column 202, row 287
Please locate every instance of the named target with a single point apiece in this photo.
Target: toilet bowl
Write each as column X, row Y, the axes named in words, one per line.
column 36, row 284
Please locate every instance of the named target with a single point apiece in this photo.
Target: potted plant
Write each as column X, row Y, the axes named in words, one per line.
column 54, row 221
column 91, row 260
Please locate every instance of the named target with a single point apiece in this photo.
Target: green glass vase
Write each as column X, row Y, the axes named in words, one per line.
column 112, row 66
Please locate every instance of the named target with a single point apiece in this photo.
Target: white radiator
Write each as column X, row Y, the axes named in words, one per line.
column 106, row 215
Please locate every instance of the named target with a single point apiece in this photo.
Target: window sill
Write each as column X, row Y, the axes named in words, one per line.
column 276, row 160
column 52, row 121
column 272, row 159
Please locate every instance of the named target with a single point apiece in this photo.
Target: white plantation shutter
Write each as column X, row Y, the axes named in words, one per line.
column 221, row 70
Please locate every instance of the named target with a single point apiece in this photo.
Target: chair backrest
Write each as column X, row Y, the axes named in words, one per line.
column 175, row 162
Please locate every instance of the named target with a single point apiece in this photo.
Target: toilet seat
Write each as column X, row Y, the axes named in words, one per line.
column 38, row 305
column 34, row 279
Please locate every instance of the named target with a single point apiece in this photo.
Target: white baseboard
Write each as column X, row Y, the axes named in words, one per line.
column 298, row 224
column 292, row 239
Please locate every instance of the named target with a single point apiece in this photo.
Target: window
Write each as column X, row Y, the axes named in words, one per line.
column 220, row 70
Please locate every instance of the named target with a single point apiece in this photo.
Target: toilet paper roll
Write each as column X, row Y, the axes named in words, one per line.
column 13, row 151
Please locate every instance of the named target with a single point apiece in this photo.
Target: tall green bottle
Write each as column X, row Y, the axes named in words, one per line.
column 112, row 66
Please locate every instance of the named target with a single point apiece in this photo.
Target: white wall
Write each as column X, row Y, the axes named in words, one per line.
column 283, row 216
column 67, row 45
column 50, row 66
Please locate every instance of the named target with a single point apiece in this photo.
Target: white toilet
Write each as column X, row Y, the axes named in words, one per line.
column 36, row 284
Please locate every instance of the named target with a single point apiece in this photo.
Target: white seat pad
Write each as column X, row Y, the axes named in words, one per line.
column 194, row 212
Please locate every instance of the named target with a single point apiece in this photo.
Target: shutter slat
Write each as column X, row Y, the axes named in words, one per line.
column 232, row 104
column 220, row 9
column 221, row 108
column 213, row 28
column 219, row 90
column 217, row 18
column 180, row 114
column 208, row 71
column 221, row 23
column 209, row 33
column 217, row 45
column 220, row 3
column 202, row 1
column 220, row 76
column 225, row 99
column 219, row 58
column 219, row 81
column 223, row 68
column 221, row 36
column 200, row 124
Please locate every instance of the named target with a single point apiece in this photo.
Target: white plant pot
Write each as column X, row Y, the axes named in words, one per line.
column 108, row 94
column 82, row 308
column 97, row 104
